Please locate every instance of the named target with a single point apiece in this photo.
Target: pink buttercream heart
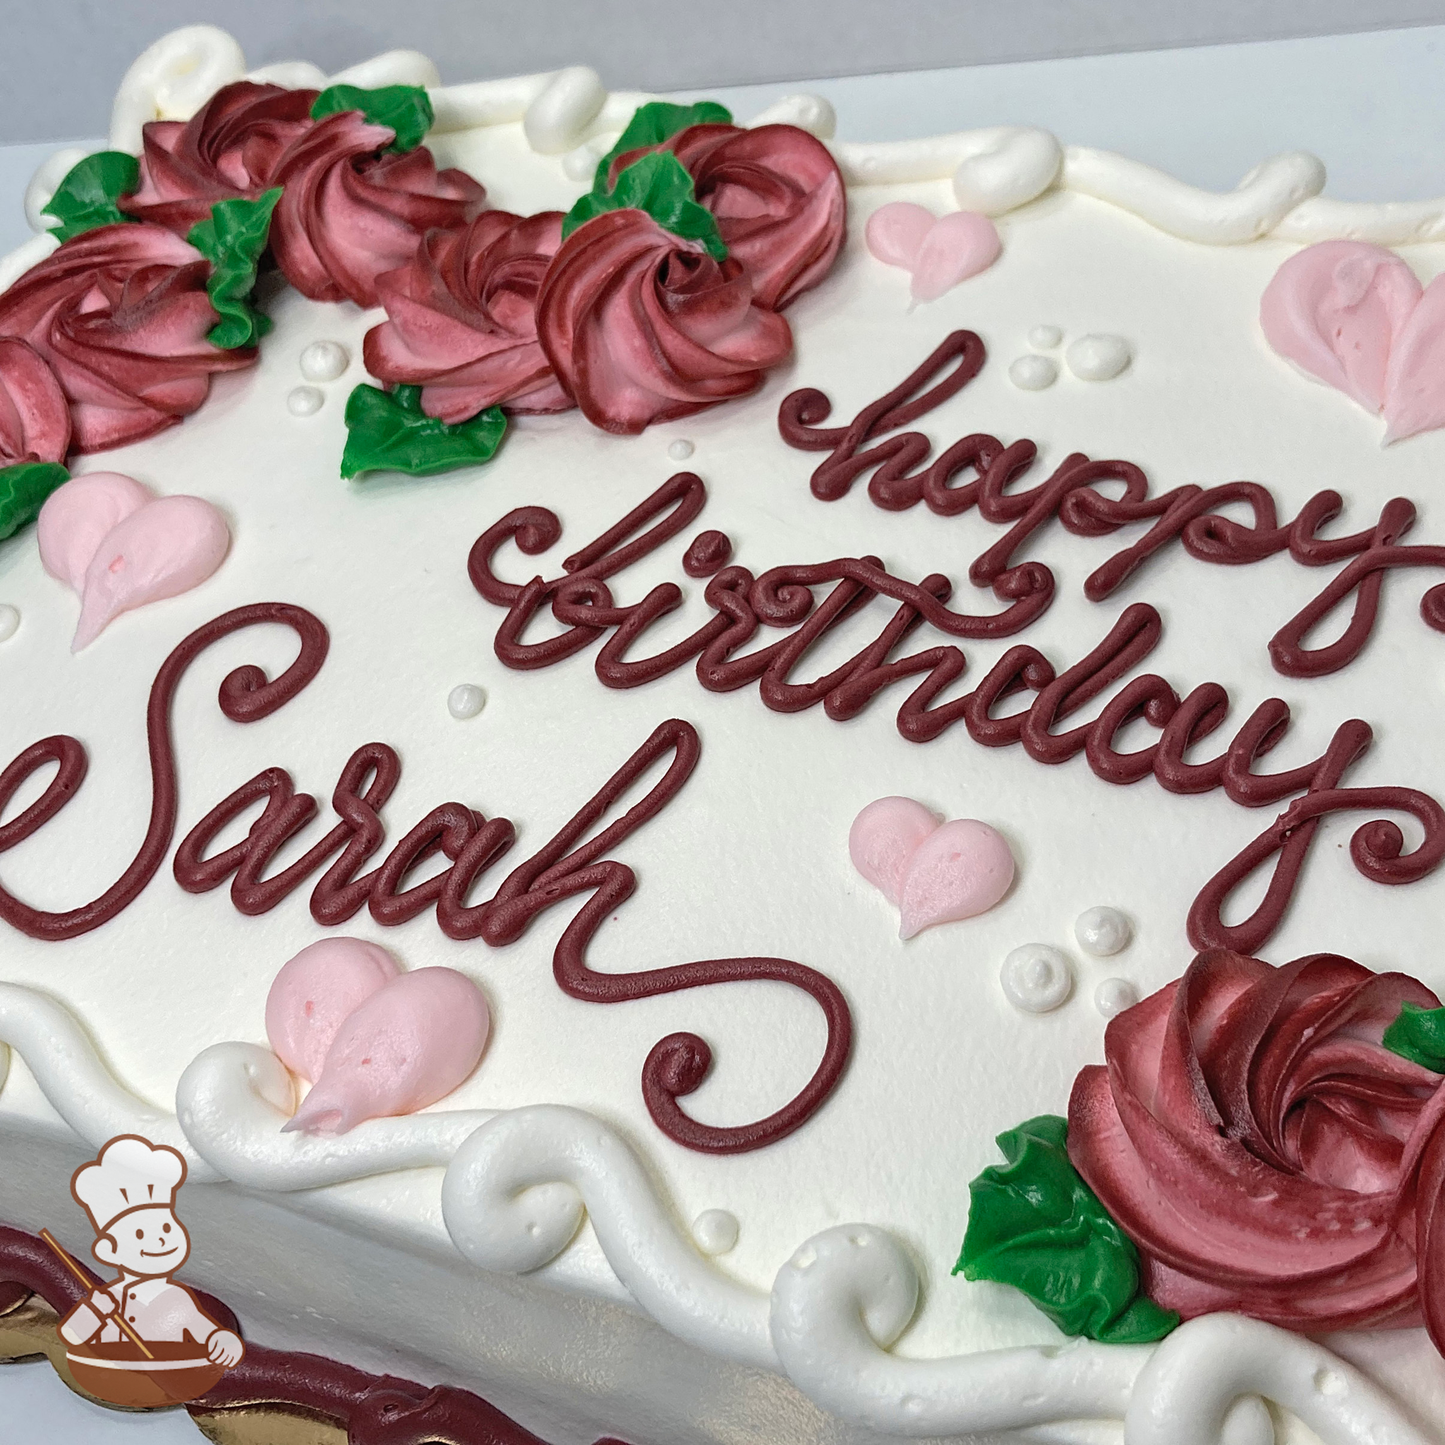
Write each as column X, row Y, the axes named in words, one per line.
column 315, row 993
column 938, row 253
column 76, row 517
column 1354, row 316
column 884, row 836
column 935, row 874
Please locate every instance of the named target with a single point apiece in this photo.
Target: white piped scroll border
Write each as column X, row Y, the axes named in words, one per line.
column 569, row 113
column 518, row 1183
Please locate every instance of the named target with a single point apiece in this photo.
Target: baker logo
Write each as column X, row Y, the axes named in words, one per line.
column 141, row 1340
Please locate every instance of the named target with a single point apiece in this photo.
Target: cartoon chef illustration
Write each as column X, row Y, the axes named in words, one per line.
column 129, row 1193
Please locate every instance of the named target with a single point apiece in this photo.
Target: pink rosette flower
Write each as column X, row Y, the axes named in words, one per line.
column 349, row 213
column 641, row 326
column 461, row 318
column 230, row 147
column 777, row 196
column 34, row 415
column 1266, row 1152
column 120, row 315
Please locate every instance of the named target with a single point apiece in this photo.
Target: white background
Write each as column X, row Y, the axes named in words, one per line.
column 1371, row 105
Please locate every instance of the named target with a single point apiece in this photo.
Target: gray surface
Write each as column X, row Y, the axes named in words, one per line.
column 1371, row 105
column 62, row 59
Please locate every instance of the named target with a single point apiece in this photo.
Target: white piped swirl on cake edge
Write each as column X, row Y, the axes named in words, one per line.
column 569, row 113
column 518, row 1183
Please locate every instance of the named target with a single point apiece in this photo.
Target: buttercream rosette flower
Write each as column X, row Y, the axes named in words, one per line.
column 641, row 326
column 1265, row 1151
column 461, row 319
column 348, row 212
column 229, row 148
column 34, row 415
column 778, row 198
column 120, row 316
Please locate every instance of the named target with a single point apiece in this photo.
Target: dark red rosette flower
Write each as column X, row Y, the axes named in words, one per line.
column 778, row 198
column 230, row 147
column 641, row 326
column 462, row 318
column 34, row 415
column 1266, row 1152
column 349, row 213
column 120, row 315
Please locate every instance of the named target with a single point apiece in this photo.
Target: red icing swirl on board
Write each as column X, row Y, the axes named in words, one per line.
column 372, row 1409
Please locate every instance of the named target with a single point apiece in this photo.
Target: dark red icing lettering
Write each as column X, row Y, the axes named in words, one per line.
column 903, row 476
column 246, row 694
column 784, row 597
column 468, row 842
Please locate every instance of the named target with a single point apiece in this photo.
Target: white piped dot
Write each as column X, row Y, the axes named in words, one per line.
column 466, row 700
column 1033, row 373
column 681, row 450
column 305, row 400
column 9, row 621
column 715, row 1230
column 1328, row 1382
column 1098, row 358
column 324, row 361
column 1102, row 931
column 1114, row 995
column 1037, row 977
column 1045, row 338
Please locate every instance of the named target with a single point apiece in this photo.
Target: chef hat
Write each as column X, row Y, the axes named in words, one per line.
column 129, row 1173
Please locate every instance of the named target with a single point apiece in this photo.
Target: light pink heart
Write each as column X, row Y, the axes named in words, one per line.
column 935, row 874
column 164, row 549
column 76, row 517
column 315, row 992
column 409, row 1044
column 119, row 546
column 884, row 836
column 1415, row 377
column 1354, row 316
column 938, row 253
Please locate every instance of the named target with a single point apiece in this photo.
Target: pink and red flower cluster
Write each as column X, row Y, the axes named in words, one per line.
column 1269, row 1156
column 104, row 342
column 624, row 319
column 348, row 211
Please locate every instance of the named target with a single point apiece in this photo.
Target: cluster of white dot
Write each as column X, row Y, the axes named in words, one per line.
column 1037, row 977
column 1096, row 357
column 321, row 361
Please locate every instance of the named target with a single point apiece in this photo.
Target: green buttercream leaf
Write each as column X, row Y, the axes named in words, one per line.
column 87, row 197
column 1035, row 1224
column 23, row 490
column 387, row 431
column 406, row 110
column 655, row 122
column 659, row 185
column 1419, row 1035
column 232, row 239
